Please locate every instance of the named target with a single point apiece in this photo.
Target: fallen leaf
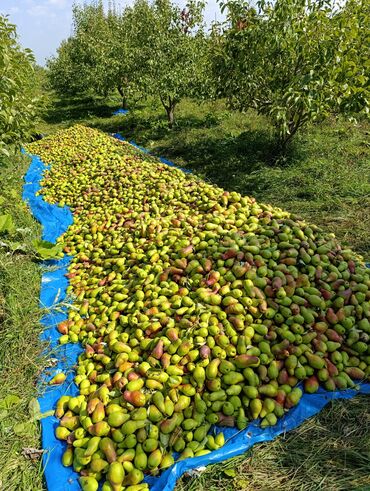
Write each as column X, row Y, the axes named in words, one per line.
column 6, row 224
column 9, row 401
column 230, row 472
column 47, row 250
column 34, row 408
column 33, row 454
column 23, row 429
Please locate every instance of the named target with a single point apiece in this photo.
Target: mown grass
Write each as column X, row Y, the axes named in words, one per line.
column 325, row 178
column 20, row 360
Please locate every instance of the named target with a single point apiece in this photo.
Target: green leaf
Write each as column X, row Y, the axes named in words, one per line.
column 14, row 193
column 6, row 224
column 5, row 151
column 14, row 246
column 46, row 414
column 23, row 429
column 18, row 247
column 230, row 472
column 47, row 250
column 35, row 411
column 9, row 401
column 34, row 407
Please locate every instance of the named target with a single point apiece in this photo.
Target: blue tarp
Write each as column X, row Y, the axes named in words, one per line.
column 145, row 150
column 55, row 221
column 120, row 111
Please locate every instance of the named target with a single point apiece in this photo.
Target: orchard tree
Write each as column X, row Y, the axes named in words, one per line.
column 122, row 62
column 96, row 34
column 133, row 28
column 170, row 49
column 17, row 82
column 353, row 76
column 97, row 57
column 67, row 74
column 294, row 61
column 82, row 61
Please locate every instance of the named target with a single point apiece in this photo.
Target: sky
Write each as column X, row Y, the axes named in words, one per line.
column 43, row 24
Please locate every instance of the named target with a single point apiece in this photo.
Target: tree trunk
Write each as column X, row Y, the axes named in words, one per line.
column 124, row 99
column 283, row 143
column 170, row 115
column 285, row 140
column 170, row 110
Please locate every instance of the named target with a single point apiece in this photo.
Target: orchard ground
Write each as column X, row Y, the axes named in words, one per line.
column 324, row 178
column 20, row 349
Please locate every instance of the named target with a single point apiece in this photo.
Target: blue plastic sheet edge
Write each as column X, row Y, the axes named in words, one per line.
column 145, row 150
column 120, row 111
column 55, row 221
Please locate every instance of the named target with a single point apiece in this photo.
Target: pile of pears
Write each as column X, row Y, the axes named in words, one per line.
column 197, row 308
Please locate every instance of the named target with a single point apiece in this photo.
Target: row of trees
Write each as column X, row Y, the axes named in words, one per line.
column 147, row 48
column 294, row 61
column 17, row 89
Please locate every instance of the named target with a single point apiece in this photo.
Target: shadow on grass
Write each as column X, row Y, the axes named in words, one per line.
column 77, row 110
column 152, row 126
column 232, row 162
column 198, row 141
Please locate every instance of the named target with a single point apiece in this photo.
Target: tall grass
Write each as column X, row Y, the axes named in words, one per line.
column 20, row 348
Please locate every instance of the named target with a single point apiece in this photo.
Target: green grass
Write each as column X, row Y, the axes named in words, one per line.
column 324, row 178
column 20, row 361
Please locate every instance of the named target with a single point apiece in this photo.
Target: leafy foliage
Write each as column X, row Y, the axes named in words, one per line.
column 96, row 58
column 149, row 48
column 62, row 70
column 295, row 60
column 6, row 224
column 353, row 76
column 47, row 250
column 80, row 62
column 171, row 50
column 17, row 103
